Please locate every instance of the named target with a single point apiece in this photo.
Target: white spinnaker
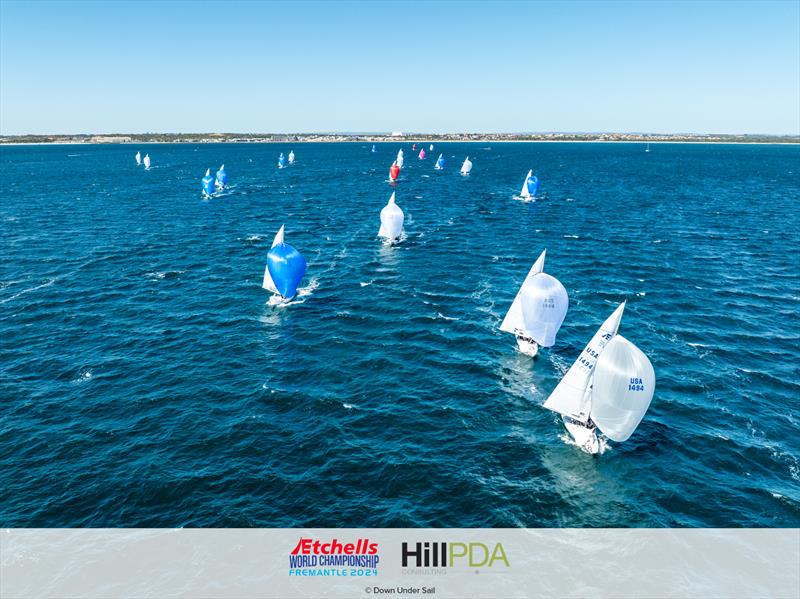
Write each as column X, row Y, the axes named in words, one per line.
column 466, row 167
column 544, row 306
column 268, row 284
column 513, row 322
column 525, row 193
column 147, row 161
column 291, row 156
column 572, row 396
column 622, row 388
column 138, row 158
column 391, row 220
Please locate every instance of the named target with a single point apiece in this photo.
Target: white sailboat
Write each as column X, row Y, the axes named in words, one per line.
column 400, row 158
column 609, row 387
column 538, row 310
column 647, row 147
column 268, row 283
column 291, row 156
column 431, row 148
column 466, row 167
column 147, row 161
column 391, row 221
column 138, row 158
column 525, row 192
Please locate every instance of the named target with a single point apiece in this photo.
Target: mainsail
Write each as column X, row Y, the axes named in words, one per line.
column 399, row 160
column 622, row 388
column 222, row 177
column 572, row 395
column 525, row 193
column 391, row 220
column 466, row 167
column 208, row 183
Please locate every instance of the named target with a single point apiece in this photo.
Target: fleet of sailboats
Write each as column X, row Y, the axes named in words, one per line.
column 608, row 389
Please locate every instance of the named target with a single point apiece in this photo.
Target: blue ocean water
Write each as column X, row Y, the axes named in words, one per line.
column 145, row 381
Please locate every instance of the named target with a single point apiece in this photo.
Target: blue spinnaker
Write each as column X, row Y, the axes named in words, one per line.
column 222, row 177
column 208, row 183
column 440, row 163
column 281, row 160
column 286, row 267
column 533, row 184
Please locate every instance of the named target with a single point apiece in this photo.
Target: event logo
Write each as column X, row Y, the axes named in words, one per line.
column 313, row 557
column 453, row 554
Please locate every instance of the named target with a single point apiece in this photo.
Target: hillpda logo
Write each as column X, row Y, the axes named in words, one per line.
column 313, row 557
column 450, row 554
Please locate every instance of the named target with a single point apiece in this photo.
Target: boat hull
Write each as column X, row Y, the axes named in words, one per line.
column 585, row 436
column 529, row 348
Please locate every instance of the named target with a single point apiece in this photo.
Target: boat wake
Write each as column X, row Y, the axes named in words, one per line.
column 568, row 440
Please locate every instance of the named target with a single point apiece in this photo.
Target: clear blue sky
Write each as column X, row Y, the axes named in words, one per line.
column 87, row 67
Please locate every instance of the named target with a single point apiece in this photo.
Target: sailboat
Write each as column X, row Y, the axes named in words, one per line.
column 422, row 154
column 373, row 148
column 400, row 158
column 466, row 167
column 222, row 178
column 281, row 160
column 146, row 162
column 538, row 310
column 391, row 221
column 609, row 387
column 530, row 186
column 431, row 148
column 439, row 163
column 285, row 268
column 414, row 148
column 208, row 184
column 291, row 156
column 138, row 158
column 647, row 147
column 394, row 171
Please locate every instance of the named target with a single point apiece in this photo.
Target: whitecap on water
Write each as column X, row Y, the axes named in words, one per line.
column 348, row 406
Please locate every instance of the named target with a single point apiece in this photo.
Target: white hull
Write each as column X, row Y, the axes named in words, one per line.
column 529, row 348
column 585, row 438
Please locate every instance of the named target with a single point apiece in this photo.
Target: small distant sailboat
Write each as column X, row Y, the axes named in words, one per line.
column 222, row 178
column 146, row 162
column 439, row 163
column 530, row 186
column 373, row 148
column 208, row 184
column 414, row 148
column 281, row 161
column 538, row 310
column 431, row 148
column 391, row 221
column 647, row 147
column 609, row 387
column 466, row 167
column 285, row 268
column 394, row 171
column 138, row 158
column 291, row 156
column 422, row 154
column 400, row 158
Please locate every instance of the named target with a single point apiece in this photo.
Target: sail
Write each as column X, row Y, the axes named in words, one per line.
column 571, row 397
column 514, row 322
column 222, row 177
column 281, row 160
column 291, row 156
column 208, row 183
column 422, row 154
column 394, row 171
column 138, row 158
column 287, row 267
column 431, row 148
column 373, row 148
column 146, row 161
column 544, row 306
column 622, row 388
column 532, row 184
column 466, row 167
column 399, row 160
column 525, row 193
column 391, row 220
column 268, row 283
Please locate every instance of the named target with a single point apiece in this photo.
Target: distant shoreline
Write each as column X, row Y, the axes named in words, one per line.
column 269, row 138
